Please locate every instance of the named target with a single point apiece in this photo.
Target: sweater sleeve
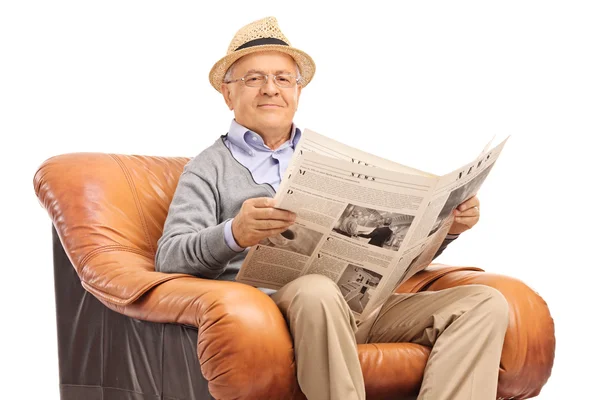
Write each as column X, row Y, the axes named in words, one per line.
column 193, row 240
column 447, row 240
column 229, row 239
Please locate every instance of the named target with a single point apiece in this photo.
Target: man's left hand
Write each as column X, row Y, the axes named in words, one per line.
column 466, row 216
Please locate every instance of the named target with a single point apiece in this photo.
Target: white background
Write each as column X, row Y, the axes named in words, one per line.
column 426, row 84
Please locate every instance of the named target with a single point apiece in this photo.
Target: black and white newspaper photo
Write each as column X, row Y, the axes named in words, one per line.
column 375, row 227
column 357, row 285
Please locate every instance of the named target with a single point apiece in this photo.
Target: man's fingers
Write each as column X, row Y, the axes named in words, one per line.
column 270, row 224
column 469, row 221
column 262, row 202
column 466, row 215
column 471, row 212
column 469, row 203
column 273, row 214
column 264, row 208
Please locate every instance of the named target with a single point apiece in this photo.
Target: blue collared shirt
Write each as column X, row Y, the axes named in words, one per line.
column 266, row 165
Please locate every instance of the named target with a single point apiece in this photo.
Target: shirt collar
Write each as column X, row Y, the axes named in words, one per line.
column 244, row 138
column 296, row 134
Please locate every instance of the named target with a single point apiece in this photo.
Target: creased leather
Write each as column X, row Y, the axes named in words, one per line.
column 103, row 204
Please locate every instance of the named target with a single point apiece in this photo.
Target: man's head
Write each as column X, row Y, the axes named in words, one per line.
column 258, row 105
column 260, row 36
column 261, row 48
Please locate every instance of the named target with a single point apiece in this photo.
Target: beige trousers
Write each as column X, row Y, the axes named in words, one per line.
column 465, row 326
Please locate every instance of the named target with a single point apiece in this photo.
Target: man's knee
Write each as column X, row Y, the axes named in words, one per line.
column 494, row 304
column 314, row 290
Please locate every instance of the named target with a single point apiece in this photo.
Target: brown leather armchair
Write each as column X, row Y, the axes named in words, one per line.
column 128, row 332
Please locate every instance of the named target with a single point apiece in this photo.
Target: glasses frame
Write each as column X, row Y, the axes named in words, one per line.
column 296, row 79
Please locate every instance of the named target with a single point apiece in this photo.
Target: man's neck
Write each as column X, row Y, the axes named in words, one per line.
column 274, row 138
column 274, row 142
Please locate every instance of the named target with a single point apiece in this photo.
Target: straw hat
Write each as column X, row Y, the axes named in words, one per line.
column 261, row 35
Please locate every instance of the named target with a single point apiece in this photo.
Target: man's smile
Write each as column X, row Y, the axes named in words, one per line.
column 268, row 105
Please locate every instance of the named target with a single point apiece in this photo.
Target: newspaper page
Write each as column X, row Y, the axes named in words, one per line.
column 312, row 141
column 365, row 222
column 433, row 225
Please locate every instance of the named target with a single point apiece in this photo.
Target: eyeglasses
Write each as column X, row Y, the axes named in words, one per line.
column 258, row 80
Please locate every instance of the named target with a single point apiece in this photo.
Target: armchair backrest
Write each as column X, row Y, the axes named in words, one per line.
column 109, row 211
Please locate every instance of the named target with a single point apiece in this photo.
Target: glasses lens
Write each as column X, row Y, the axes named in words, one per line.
column 254, row 80
column 285, row 81
column 258, row 80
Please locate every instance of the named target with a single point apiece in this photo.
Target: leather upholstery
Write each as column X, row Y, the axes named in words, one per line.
column 108, row 211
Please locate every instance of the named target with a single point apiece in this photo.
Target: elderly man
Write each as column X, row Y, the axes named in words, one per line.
column 223, row 205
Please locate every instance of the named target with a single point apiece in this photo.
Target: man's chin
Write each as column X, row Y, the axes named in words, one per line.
column 274, row 123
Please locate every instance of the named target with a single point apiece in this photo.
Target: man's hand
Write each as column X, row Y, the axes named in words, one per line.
column 466, row 216
column 259, row 219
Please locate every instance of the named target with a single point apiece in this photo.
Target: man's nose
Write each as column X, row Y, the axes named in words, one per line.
column 270, row 88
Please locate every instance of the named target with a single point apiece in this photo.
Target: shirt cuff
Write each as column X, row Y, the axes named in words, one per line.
column 229, row 239
column 450, row 236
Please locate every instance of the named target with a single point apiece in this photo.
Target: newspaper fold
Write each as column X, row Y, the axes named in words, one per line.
column 367, row 223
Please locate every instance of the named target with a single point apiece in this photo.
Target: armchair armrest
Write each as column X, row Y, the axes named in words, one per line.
column 109, row 211
column 244, row 346
column 528, row 352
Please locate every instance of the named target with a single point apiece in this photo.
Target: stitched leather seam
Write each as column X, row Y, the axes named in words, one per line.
column 115, row 247
column 119, row 301
column 135, row 199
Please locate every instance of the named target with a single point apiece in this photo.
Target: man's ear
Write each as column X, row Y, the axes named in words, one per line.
column 298, row 95
column 226, row 95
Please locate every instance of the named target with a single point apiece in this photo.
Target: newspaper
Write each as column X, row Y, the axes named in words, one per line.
column 367, row 223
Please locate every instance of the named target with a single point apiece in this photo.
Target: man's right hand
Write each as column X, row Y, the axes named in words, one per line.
column 259, row 219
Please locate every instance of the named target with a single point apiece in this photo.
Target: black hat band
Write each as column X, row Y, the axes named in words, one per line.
column 260, row 42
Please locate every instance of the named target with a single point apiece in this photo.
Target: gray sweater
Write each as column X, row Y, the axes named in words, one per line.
column 210, row 191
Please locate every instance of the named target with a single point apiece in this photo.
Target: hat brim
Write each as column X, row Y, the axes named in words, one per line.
column 306, row 65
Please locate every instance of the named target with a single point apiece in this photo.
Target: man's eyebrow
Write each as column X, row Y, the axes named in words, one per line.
column 278, row 72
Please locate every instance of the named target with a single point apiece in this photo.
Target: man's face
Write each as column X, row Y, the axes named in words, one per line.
column 268, row 108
